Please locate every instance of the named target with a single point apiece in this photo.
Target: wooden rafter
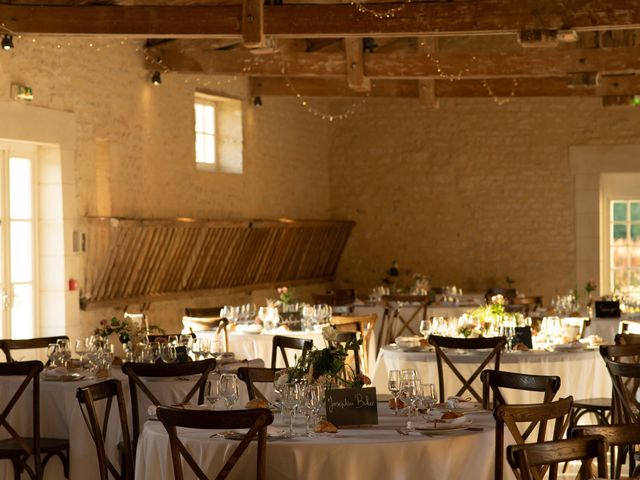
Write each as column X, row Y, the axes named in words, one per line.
column 427, row 88
column 335, row 20
column 608, row 86
column 253, row 23
column 354, row 55
column 527, row 63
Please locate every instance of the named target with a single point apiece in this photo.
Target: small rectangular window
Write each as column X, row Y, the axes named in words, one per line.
column 218, row 133
column 624, row 246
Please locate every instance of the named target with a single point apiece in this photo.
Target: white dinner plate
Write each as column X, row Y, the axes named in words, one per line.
column 71, row 377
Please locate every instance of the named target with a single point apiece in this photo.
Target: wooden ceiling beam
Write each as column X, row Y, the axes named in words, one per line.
column 527, row 63
column 465, row 17
column 427, row 88
column 354, row 53
column 253, row 23
column 609, row 86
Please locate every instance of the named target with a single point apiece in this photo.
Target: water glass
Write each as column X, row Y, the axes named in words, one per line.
column 291, row 396
column 395, row 378
column 310, row 405
column 212, row 391
column 425, row 327
column 168, row 353
column 229, row 388
column 428, row 396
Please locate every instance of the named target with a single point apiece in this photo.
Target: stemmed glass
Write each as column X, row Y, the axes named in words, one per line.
column 53, row 353
column 212, row 391
column 229, row 388
column 425, row 327
column 394, row 387
column 291, row 396
column 428, row 396
column 168, row 353
column 412, row 390
column 310, row 405
column 81, row 347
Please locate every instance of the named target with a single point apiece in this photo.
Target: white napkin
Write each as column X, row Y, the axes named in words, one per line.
column 459, row 402
column 56, row 372
column 453, row 421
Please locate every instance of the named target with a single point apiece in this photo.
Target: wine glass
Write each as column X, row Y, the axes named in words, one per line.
column 412, row 390
column 290, row 401
column 429, row 396
column 168, row 353
column 425, row 327
column 81, row 348
column 53, row 354
column 394, row 387
column 310, row 405
column 229, row 388
column 212, row 391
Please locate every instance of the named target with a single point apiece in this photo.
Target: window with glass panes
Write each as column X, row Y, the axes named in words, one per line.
column 205, row 112
column 624, row 255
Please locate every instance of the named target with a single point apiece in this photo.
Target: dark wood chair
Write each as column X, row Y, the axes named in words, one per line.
column 90, row 398
column 20, row 449
column 532, row 303
column 396, row 322
column 494, row 344
column 137, row 370
column 7, row 345
column 207, row 318
column 540, row 414
column 252, row 375
column 629, row 326
column 492, row 383
column 345, row 296
column 362, row 324
column 281, row 343
column 347, row 338
column 256, row 420
column 204, row 312
column 616, row 435
column 528, row 461
column 626, row 338
column 327, row 298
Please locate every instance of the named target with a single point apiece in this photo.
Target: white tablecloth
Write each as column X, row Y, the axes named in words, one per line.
column 61, row 418
column 378, row 452
column 583, row 374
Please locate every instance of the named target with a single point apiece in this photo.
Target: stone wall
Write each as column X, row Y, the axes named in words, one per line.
column 135, row 147
column 467, row 194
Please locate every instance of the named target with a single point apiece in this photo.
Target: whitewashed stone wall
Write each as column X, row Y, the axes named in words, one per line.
column 467, row 194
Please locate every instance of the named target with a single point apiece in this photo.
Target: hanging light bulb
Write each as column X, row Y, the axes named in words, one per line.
column 7, row 42
column 156, row 79
column 257, row 101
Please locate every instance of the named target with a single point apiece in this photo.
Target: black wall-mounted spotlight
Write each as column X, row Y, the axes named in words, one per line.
column 7, row 42
column 156, row 78
column 257, row 101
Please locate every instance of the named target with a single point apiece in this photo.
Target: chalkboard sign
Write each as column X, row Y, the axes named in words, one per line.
column 181, row 354
column 607, row 309
column 352, row 406
column 522, row 335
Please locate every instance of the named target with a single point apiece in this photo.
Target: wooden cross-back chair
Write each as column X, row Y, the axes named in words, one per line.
column 495, row 344
column 136, row 371
column 256, row 420
column 345, row 296
column 529, row 460
column 252, row 375
column 629, row 326
column 203, row 318
column 531, row 303
column 493, row 381
column 508, row 293
column 627, row 338
column 281, row 343
column 17, row 448
column 396, row 322
column 346, row 338
column 540, row 414
column 7, row 345
column 89, row 398
column 617, row 436
column 364, row 325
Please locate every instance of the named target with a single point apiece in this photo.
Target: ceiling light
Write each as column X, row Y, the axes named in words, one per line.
column 257, row 101
column 156, row 78
column 7, row 42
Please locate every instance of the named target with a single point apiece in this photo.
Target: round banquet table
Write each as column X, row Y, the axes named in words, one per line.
column 364, row 453
column 259, row 345
column 61, row 417
column 582, row 373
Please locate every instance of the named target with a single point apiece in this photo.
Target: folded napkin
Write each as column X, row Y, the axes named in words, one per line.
column 56, row 372
column 272, row 432
column 437, row 418
column 249, row 328
column 232, row 367
column 459, row 402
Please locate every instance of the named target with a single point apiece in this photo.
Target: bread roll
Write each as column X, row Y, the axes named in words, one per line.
column 450, row 415
column 323, row 426
column 257, row 403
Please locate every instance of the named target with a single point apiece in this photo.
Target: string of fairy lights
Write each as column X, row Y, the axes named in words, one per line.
column 205, row 81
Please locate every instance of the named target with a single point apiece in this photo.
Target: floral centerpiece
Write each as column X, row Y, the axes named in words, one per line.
column 127, row 331
column 327, row 366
